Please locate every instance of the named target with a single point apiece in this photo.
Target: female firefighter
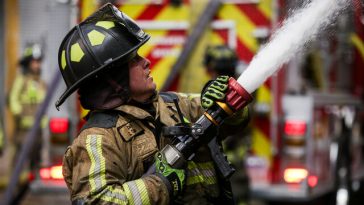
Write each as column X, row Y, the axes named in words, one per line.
column 107, row 162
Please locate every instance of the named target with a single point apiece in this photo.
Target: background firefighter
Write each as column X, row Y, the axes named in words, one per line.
column 222, row 60
column 27, row 93
column 120, row 140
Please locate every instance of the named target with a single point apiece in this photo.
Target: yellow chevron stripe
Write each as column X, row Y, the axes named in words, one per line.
column 261, row 144
column 171, row 13
column 88, row 7
column 263, row 95
column 358, row 43
column 132, row 10
column 265, row 7
column 244, row 27
column 162, row 69
column 216, row 39
column 149, row 46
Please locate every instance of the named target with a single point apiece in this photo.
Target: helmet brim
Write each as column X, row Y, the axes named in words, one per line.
column 122, row 58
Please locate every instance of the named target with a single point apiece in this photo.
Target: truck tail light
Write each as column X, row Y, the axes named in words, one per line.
column 58, row 125
column 312, row 180
column 295, row 175
column 53, row 172
column 294, row 140
column 59, row 130
column 295, row 128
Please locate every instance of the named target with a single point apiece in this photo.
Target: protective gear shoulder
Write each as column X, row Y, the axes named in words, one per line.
column 101, row 119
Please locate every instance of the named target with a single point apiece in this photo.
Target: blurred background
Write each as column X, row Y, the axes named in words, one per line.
column 304, row 144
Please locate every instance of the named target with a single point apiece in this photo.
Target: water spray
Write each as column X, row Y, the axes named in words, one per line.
column 287, row 41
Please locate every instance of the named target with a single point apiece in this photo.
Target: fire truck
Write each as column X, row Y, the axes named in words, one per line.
column 306, row 137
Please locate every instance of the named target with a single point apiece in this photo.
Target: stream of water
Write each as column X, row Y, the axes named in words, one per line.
column 290, row 39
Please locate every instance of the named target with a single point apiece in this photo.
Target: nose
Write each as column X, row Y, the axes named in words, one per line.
column 146, row 62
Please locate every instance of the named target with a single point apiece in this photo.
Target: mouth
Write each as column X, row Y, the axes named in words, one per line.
column 148, row 75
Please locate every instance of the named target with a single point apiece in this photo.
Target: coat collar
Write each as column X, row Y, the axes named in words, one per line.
column 165, row 111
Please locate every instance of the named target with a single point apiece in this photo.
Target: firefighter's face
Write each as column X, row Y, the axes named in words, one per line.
column 35, row 66
column 141, row 83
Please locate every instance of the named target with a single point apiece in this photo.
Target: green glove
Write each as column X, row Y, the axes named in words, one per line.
column 175, row 177
column 214, row 91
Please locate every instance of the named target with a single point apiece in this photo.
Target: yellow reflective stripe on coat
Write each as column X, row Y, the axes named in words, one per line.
column 15, row 105
column 26, row 122
column 201, row 173
column 136, row 192
column 97, row 177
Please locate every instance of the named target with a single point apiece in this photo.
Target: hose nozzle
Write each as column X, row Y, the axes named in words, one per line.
column 237, row 97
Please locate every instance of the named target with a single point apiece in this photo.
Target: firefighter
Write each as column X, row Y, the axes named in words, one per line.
column 27, row 93
column 108, row 161
column 222, row 60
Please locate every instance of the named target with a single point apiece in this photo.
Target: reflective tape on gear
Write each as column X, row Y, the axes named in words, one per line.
column 76, row 53
column 26, row 122
column 97, row 168
column 96, row 38
column 137, row 192
column 63, row 60
column 97, row 178
column 203, row 173
column 185, row 120
column 105, row 24
column 15, row 105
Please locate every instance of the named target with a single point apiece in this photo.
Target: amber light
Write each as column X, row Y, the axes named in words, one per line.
column 295, row 175
column 54, row 172
column 295, row 127
column 58, row 125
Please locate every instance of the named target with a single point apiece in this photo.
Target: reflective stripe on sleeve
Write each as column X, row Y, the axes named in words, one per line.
column 97, row 178
column 201, row 173
column 137, row 192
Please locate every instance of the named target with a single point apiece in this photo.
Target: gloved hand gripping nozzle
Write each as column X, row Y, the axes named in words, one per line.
column 189, row 138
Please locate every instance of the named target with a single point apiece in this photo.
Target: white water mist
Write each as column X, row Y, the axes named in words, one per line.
column 290, row 39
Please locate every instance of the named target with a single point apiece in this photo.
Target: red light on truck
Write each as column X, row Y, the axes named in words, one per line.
column 295, row 175
column 45, row 173
column 295, row 127
column 54, row 172
column 312, row 181
column 58, row 125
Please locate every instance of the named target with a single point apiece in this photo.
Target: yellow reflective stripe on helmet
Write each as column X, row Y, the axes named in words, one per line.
column 97, row 176
column 105, row 24
column 96, row 38
column 201, row 173
column 76, row 53
column 137, row 192
column 63, row 59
